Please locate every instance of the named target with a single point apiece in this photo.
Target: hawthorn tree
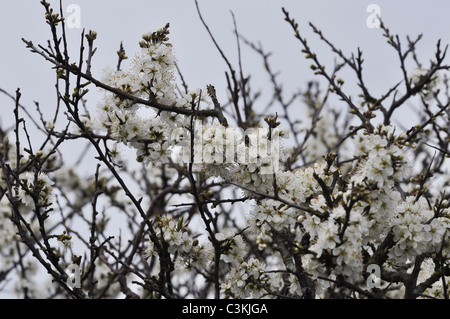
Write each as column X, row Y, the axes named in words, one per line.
column 225, row 199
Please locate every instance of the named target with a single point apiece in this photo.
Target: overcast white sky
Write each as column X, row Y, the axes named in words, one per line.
column 343, row 22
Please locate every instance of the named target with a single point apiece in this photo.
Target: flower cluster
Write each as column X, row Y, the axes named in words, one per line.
column 252, row 280
column 383, row 162
column 262, row 158
column 416, row 77
column 248, row 158
column 297, row 187
column 233, row 247
column 190, row 252
column 416, row 230
column 429, row 269
column 35, row 188
column 151, row 77
column 8, row 235
column 351, row 221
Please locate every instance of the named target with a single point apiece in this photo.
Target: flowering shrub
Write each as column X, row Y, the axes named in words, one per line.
column 223, row 201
